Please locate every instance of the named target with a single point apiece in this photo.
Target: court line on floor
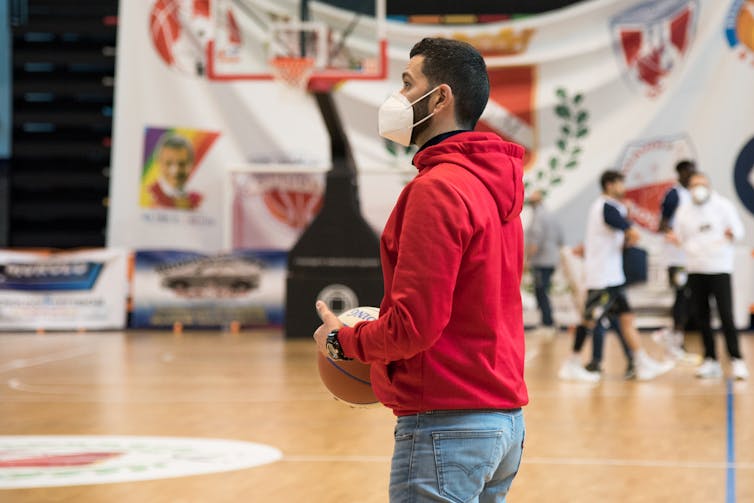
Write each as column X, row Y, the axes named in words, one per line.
column 642, row 463
column 730, row 473
column 22, row 363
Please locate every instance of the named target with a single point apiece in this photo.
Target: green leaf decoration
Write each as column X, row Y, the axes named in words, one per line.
column 574, row 120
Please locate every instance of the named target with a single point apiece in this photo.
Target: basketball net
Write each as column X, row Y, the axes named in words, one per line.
column 293, row 71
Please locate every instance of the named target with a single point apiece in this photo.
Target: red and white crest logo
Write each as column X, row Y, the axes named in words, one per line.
column 649, row 168
column 180, row 30
column 652, row 40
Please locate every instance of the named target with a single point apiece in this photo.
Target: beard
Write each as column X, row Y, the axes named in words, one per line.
column 421, row 110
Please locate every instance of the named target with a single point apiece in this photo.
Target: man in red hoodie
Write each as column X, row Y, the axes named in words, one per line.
column 447, row 352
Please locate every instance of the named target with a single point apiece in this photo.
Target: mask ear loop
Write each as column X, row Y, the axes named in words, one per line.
column 418, row 100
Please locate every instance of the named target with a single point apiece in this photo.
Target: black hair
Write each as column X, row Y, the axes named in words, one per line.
column 610, row 176
column 685, row 166
column 461, row 67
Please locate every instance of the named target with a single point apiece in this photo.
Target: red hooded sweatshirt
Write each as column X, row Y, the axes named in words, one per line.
column 450, row 333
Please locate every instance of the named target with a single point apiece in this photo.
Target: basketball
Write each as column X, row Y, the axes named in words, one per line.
column 348, row 380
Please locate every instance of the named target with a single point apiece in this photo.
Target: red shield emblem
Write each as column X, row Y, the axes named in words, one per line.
column 652, row 40
column 649, row 168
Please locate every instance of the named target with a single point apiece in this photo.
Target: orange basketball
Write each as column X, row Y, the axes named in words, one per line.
column 348, row 380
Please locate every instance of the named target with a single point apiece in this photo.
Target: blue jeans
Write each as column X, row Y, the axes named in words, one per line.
column 456, row 456
column 542, row 276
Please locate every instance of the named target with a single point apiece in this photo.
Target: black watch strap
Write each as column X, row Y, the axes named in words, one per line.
column 334, row 349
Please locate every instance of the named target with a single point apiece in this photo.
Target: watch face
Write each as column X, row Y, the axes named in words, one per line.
column 331, row 350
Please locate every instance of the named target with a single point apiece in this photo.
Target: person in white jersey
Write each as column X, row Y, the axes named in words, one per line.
column 608, row 232
column 707, row 229
column 675, row 259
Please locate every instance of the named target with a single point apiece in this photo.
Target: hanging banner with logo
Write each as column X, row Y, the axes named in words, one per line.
column 632, row 85
column 63, row 290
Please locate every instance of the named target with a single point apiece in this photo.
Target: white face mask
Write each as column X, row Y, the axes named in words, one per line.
column 700, row 194
column 396, row 117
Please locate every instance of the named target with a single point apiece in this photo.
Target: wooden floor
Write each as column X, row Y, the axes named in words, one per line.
column 661, row 441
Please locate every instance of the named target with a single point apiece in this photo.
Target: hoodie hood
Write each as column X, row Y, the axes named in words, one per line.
column 496, row 163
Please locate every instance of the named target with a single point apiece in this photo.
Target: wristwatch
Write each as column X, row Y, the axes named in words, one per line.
column 334, row 350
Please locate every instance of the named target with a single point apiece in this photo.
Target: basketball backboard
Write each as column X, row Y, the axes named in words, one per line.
column 258, row 39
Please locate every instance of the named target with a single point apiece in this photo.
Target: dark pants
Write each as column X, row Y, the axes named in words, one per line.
column 703, row 286
column 542, row 276
column 598, row 338
column 679, row 284
column 603, row 308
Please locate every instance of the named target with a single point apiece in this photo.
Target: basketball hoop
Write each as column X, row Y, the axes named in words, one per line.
column 293, row 71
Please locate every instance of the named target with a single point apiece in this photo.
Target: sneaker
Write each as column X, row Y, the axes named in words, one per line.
column 684, row 357
column 630, row 372
column 738, row 369
column 709, row 369
column 648, row 368
column 662, row 337
column 593, row 367
column 571, row 370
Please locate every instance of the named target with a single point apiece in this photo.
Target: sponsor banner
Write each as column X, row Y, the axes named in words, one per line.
column 63, row 290
column 53, row 461
column 209, row 291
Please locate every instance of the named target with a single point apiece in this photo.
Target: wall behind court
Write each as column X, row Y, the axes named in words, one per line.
column 631, row 85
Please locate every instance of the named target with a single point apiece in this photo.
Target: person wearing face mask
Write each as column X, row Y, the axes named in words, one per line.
column 707, row 230
column 674, row 198
column 447, row 351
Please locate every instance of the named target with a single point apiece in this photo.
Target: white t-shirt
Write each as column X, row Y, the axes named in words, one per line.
column 701, row 230
column 603, row 246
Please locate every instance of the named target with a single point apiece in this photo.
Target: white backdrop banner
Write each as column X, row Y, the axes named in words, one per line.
column 624, row 84
column 64, row 290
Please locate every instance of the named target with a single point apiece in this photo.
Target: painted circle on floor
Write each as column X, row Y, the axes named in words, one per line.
column 48, row 461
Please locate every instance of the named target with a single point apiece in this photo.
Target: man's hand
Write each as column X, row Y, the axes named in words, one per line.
column 672, row 237
column 632, row 236
column 329, row 323
column 532, row 250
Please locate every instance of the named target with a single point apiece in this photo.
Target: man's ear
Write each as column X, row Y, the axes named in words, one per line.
column 444, row 98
